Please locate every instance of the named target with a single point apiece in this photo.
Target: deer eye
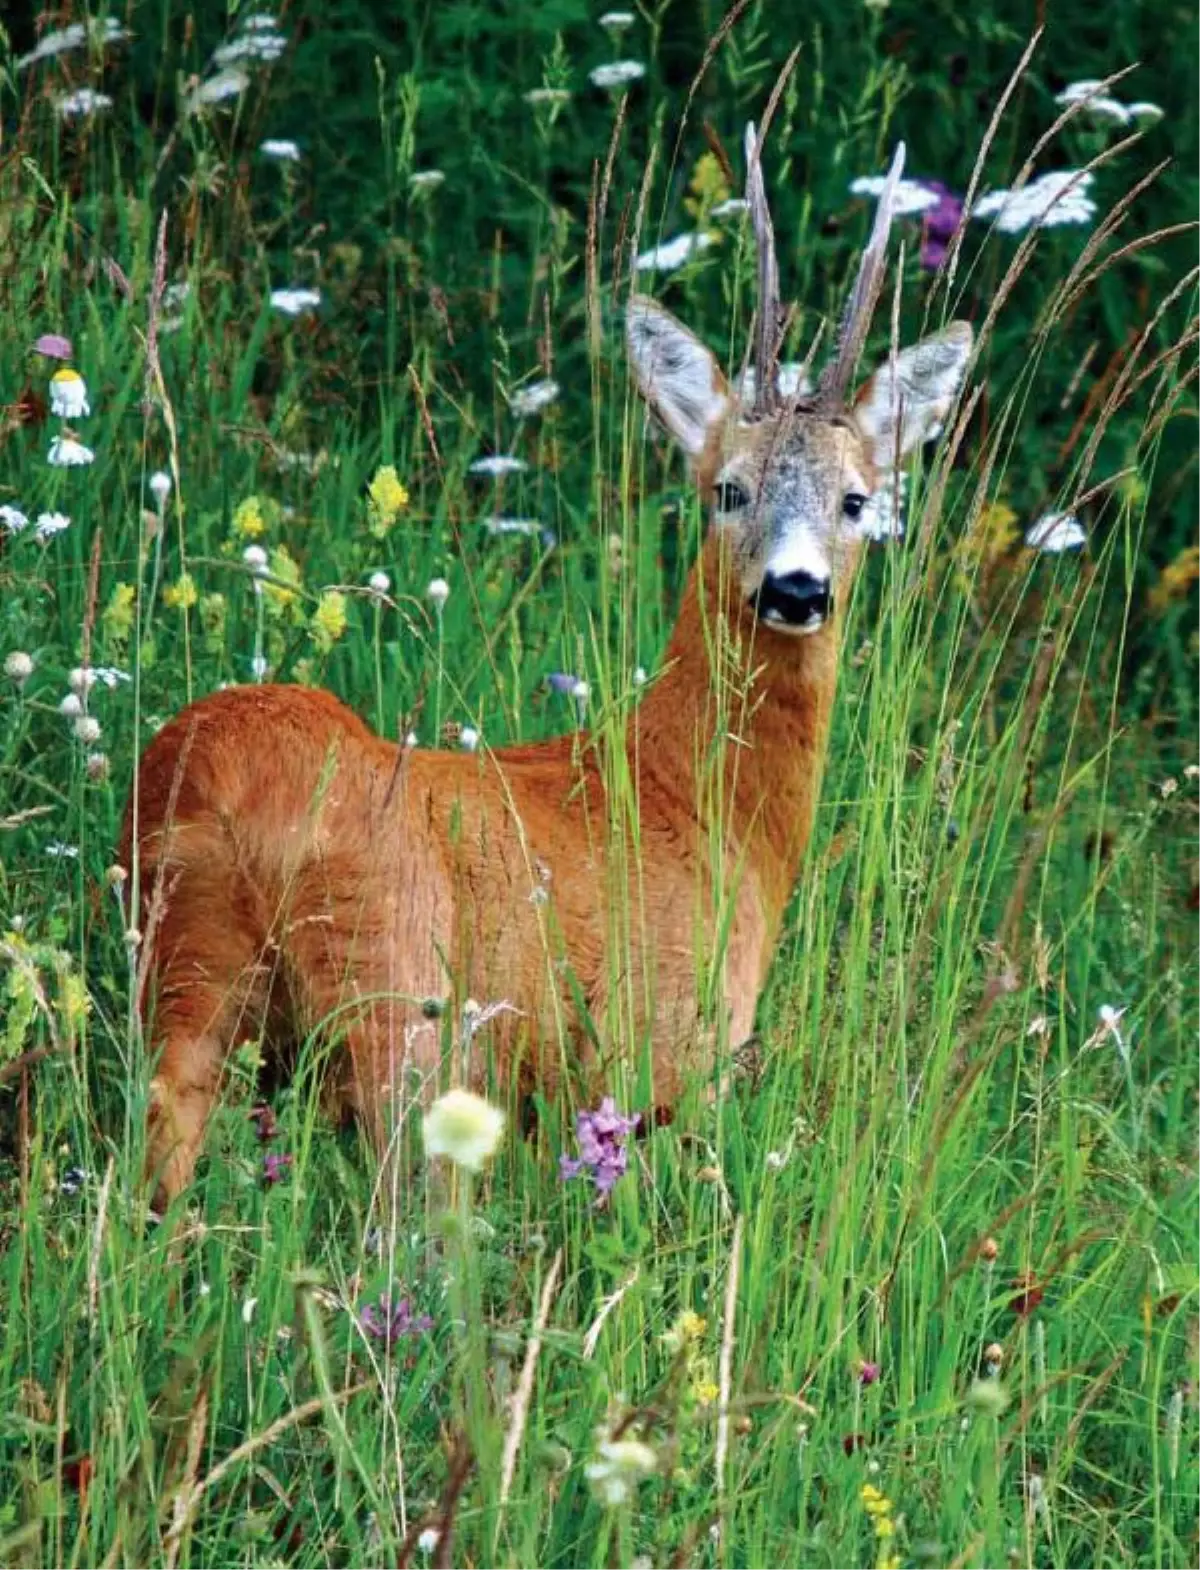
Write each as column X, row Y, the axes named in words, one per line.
column 853, row 504
column 730, row 496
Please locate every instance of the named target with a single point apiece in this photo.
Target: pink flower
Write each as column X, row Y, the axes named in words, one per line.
column 54, row 346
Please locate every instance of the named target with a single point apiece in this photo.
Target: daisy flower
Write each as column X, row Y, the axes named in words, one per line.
column 66, row 453
column 68, row 395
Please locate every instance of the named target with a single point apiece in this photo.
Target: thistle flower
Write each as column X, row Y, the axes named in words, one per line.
column 535, row 397
column 1055, row 533
column 18, row 667
column 603, row 1138
column 160, row 487
column 66, row 453
column 868, row 1373
column 295, row 301
column 464, row 1127
column 618, row 1466
column 391, row 1322
column 672, row 254
column 49, row 524
column 621, row 73
column 13, row 519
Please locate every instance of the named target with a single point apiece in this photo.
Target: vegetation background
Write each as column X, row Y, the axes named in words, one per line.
column 923, row 1291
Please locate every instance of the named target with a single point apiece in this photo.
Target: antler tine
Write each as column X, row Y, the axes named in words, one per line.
column 863, row 297
column 768, row 320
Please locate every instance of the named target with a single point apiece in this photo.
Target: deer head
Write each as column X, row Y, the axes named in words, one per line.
column 790, row 480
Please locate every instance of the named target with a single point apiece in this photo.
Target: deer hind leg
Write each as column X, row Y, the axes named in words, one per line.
column 209, row 982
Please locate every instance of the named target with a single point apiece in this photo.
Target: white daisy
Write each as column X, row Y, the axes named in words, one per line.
column 672, row 254
column 499, row 464
column 50, row 523
column 1055, row 533
column 216, row 90
column 280, row 149
column 533, row 397
column 83, row 101
column 294, row 302
column 66, row 453
column 1059, row 197
column 621, row 73
column 68, row 395
column 13, row 519
column 910, row 195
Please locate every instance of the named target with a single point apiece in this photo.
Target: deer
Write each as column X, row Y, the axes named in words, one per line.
column 298, row 873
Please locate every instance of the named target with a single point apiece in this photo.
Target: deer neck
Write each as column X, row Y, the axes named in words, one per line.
column 733, row 732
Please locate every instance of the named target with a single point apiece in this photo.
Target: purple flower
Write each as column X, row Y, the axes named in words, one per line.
column 54, row 346
column 275, row 1166
column 939, row 224
column 868, row 1373
column 603, row 1138
column 562, row 681
column 389, row 1323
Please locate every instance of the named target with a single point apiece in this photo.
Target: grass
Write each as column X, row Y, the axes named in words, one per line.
column 942, row 1162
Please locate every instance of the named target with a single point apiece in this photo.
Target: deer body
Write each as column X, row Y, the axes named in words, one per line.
column 296, row 871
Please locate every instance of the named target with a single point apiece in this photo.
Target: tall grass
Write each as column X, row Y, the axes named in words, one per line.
column 938, row 1238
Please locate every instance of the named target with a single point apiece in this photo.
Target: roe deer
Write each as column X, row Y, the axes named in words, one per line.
column 296, row 870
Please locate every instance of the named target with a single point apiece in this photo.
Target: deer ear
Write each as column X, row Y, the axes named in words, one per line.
column 915, row 392
column 677, row 376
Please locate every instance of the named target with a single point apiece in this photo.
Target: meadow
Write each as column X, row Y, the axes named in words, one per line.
column 921, row 1287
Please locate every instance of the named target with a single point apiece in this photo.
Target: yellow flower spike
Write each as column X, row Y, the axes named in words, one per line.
column 182, row 594
column 329, row 620
column 248, row 519
column 117, row 616
column 283, row 567
column 885, row 1527
column 387, row 497
column 869, row 1493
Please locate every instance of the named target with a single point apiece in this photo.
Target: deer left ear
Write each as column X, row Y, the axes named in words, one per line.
column 907, row 400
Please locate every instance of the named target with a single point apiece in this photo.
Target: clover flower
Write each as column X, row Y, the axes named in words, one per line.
column 70, row 706
column 620, row 73
column 526, row 526
column 868, row 1373
column 68, row 395
column 437, row 592
column 66, row 453
column 1059, row 197
column 603, row 1138
column 391, row 1322
column 379, row 583
column 532, row 399
column 54, row 346
column 87, row 729
column 463, row 1127
column 295, row 301
column 159, row 484
column 618, row 1466
column 672, row 254
column 1055, row 533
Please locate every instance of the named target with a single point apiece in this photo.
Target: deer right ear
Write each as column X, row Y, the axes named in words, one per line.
column 677, row 376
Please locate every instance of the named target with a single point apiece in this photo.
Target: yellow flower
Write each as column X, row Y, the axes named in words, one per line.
column 708, row 186
column 870, row 1495
column 884, row 1526
column 182, row 594
column 386, row 499
column 117, row 616
column 282, row 594
column 993, row 532
column 328, row 620
column 1175, row 579
column 248, row 519
column 705, row 1391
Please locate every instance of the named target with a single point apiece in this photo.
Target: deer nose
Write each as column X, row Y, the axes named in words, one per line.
column 794, row 599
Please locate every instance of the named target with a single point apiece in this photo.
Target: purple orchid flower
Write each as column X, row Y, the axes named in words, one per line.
column 391, row 1322
column 603, row 1138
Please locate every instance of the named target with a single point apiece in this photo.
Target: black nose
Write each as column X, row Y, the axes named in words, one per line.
column 795, row 599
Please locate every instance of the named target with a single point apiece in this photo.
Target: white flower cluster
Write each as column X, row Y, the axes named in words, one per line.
column 44, row 527
column 82, row 103
column 295, row 302
column 672, row 254
column 909, row 198
column 621, row 73
column 1060, row 197
column 75, row 36
column 1055, row 533
column 1102, row 106
column 533, row 398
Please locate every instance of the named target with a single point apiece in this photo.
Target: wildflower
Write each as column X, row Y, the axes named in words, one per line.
column 551, row 97
column 18, row 667
column 71, row 706
column 182, row 594
column 258, row 666
column 603, row 1138
column 248, row 519
column 280, row 150
column 87, row 729
column 525, row 526
column 616, row 21
column 328, row 620
column 68, row 394
column 1059, row 197
column 731, row 207
column 294, row 301
column 390, row 1322
column 464, row 1127
column 987, row 1396
column 428, row 1540
column 83, row 101
column 868, row 1373
column 54, row 346
column 57, row 851
column 562, row 681
column 499, row 464
column 256, row 559
column 275, row 1166
column 426, row 179
column 1055, row 533
column 909, row 198
column 387, row 497
column 117, row 616
column 160, row 487
column 379, row 583
column 1176, row 578
column 261, row 45
column 48, row 524
column 72, row 1180
column 66, row 453
column 687, row 1330
column 672, row 254
column 468, row 738
column 621, row 73
column 940, row 225
column 13, row 519
column 530, row 400
column 639, row 676
column 96, row 765
column 282, row 594
column 437, row 591
column 1102, row 106
column 217, row 89
column 617, row 1468
column 63, row 39
column 989, row 1249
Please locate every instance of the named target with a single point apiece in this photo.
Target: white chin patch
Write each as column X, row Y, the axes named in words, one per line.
column 775, row 621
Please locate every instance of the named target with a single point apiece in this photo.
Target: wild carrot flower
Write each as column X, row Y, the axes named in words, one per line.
column 391, row 1322
column 68, row 395
column 534, row 397
column 295, row 301
column 82, row 102
column 603, row 1138
column 672, row 254
column 616, row 21
column 909, row 198
column 426, row 179
column 621, row 73
column 48, row 524
column 67, row 453
column 464, row 1127
column 1059, row 197
column 74, row 36
column 498, row 464
column 230, row 83
column 280, row 150
column 276, row 1165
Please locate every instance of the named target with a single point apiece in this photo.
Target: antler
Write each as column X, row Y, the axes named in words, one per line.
column 835, row 380
column 768, row 323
